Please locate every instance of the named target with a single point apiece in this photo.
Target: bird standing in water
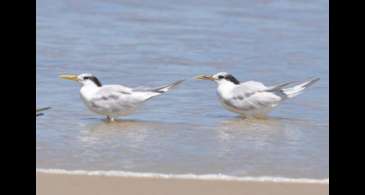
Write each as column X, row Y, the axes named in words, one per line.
column 114, row 100
column 252, row 98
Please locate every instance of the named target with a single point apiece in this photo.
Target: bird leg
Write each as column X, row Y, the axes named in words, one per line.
column 242, row 116
column 109, row 118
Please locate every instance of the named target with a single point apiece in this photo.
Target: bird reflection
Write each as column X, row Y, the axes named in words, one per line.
column 124, row 126
column 261, row 130
column 131, row 131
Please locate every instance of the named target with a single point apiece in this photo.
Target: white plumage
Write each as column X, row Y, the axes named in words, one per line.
column 252, row 98
column 114, row 100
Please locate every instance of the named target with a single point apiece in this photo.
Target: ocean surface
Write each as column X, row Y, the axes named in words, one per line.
column 186, row 131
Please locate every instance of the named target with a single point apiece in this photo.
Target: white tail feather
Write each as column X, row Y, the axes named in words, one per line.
column 298, row 89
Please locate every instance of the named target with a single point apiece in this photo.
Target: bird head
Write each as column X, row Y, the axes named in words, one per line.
column 219, row 78
column 83, row 79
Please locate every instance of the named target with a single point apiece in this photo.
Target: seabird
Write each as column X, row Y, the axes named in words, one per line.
column 252, row 98
column 114, row 100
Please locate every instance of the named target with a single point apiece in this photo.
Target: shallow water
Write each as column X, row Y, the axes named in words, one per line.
column 185, row 131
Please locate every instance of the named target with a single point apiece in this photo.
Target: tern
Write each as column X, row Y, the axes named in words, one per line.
column 114, row 100
column 38, row 111
column 253, row 99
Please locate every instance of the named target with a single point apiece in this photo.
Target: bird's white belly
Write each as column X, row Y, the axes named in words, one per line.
column 247, row 111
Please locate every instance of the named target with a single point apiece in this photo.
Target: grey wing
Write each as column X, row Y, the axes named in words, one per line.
column 252, row 95
column 114, row 98
column 115, row 88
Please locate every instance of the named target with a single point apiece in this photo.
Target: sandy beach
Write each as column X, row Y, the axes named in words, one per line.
column 60, row 184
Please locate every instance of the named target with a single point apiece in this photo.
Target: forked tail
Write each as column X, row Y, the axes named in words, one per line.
column 298, row 89
column 148, row 93
column 166, row 88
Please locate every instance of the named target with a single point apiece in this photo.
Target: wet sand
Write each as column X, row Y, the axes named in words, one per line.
column 60, row 184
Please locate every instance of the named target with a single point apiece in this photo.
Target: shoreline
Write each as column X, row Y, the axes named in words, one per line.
column 60, row 183
column 206, row 177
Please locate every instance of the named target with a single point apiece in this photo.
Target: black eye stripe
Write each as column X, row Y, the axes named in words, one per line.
column 220, row 77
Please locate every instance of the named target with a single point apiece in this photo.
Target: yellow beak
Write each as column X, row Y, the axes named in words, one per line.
column 204, row 77
column 71, row 77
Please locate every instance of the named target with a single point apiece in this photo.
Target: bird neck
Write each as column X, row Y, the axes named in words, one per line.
column 88, row 90
column 224, row 88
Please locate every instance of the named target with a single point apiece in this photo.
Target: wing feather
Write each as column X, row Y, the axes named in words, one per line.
column 252, row 95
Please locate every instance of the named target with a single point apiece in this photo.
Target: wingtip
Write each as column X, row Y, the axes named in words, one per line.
column 176, row 83
column 43, row 109
column 179, row 81
column 311, row 81
column 315, row 79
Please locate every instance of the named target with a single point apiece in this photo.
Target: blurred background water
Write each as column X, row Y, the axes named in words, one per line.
column 141, row 42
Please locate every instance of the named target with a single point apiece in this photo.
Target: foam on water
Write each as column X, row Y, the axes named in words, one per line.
column 220, row 177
